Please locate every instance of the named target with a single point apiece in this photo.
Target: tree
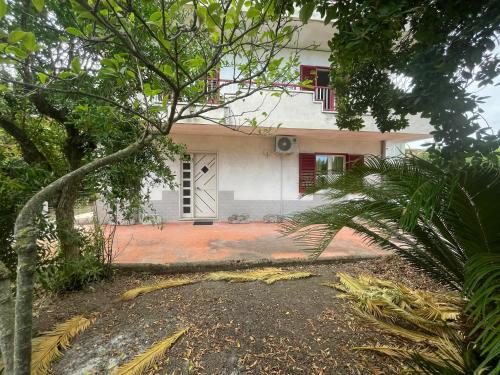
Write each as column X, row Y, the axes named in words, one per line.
column 58, row 133
column 394, row 58
column 143, row 50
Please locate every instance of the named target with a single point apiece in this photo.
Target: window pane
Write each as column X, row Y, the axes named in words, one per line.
column 337, row 164
column 186, row 210
column 186, row 200
column 323, row 78
column 186, row 183
column 186, row 174
column 328, row 165
column 321, row 164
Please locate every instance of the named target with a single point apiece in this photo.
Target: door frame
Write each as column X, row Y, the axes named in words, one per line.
column 192, row 217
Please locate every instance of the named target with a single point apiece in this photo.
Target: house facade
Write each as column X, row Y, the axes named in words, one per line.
column 259, row 173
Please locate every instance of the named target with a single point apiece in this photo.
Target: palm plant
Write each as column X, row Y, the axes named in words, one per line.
column 435, row 219
column 444, row 223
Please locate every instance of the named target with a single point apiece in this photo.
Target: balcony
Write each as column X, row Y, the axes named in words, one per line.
column 321, row 94
column 293, row 108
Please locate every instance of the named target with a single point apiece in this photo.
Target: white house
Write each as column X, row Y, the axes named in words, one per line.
column 230, row 172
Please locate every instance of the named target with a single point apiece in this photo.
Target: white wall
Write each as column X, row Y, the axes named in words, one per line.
column 248, row 165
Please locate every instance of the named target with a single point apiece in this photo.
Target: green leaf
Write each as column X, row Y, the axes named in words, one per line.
column 18, row 52
column 3, row 9
column 306, row 11
column 42, row 77
column 74, row 31
column 156, row 16
column 38, row 4
column 148, row 91
column 253, row 12
column 16, row 36
column 75, row 65
column 29, row 41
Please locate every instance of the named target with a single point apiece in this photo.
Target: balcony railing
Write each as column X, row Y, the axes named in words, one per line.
column 325, row 95
column 321, row 94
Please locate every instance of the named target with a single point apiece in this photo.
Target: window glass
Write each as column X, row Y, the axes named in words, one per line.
column 328, row 166
column 323, row 78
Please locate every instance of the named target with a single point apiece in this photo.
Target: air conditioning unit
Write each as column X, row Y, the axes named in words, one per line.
column 286, row 144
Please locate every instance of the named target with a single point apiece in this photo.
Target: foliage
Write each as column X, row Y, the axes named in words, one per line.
column 109, row 79
column 435, row 219
column 482, row 286
column 397, row 58
column 133, row 293
column 60, row 274
column 429, row 321
column 18, row 181
column 144, row 361
column 55, row 133
column 267, row 275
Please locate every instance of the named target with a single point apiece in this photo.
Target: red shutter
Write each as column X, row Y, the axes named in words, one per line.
column 353, row 159
column 308, row 73
column 307, row 171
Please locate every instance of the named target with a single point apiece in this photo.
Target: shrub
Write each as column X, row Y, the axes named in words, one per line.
column 94, row 263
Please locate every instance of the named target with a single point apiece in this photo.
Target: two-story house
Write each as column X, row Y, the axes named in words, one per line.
column 230, row 172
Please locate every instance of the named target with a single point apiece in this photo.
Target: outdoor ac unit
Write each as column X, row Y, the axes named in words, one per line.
column 286, row 144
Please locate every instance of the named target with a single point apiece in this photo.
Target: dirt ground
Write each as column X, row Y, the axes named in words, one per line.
column 290, row 327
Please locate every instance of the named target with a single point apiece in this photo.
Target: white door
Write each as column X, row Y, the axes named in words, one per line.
column 205, row 185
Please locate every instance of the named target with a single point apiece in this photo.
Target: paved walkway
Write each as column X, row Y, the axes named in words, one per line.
column 184, row 242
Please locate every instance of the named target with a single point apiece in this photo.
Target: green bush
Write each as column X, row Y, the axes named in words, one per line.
column 64, row 274
column 71, row 274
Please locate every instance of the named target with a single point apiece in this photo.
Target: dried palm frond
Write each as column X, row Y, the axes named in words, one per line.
column 133, row 293
column 267, row 275
column 384, row 298
column 47, row 348
column 144, row 361
column 428, row 320
column 445, row 356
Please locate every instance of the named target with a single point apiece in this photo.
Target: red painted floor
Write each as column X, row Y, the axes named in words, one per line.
column 184, row 242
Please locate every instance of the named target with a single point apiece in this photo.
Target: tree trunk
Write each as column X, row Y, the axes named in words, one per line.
column 6, row 320
column 25, row 245
column 65, row 220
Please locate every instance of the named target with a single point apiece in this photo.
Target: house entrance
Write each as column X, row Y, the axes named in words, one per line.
column 199, row 186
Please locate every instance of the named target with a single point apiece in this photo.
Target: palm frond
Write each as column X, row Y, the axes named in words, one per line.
column 429, row 321
column 133, row 293
column 267, row 275
column 483, row 308
column 47, row 347
column 144, row 361
column 433, row 218
column 444, row 355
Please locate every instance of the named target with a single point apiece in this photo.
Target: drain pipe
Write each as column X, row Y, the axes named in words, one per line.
column 383, row 149
column 281, row 185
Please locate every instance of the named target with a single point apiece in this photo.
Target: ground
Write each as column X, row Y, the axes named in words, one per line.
column 290, row 327
column 183, row 242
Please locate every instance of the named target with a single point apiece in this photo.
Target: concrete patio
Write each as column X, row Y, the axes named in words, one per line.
column 183, row 242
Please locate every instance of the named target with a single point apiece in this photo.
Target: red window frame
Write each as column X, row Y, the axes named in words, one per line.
column 307, row 166
column 304, row 76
